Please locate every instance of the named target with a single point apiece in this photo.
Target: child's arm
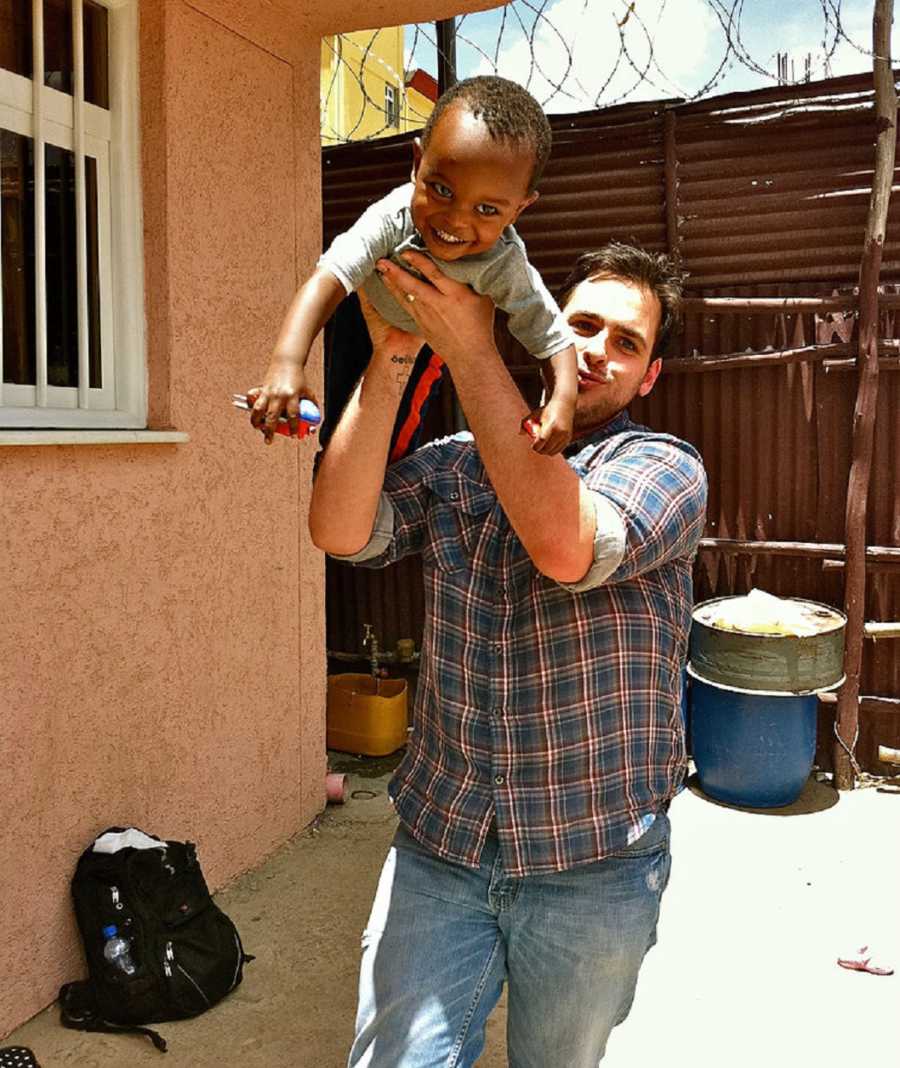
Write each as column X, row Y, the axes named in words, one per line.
column 350, row 258
column 285, row 380
column 554, row 421
column 536, row 321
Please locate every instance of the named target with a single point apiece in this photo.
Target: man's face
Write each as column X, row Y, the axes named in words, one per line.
column 615, row 325
column 468, row 187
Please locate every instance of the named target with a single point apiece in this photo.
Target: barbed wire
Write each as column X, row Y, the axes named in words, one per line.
column 584, row 54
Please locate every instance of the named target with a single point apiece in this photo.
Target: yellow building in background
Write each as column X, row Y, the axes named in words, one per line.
column 364, row 90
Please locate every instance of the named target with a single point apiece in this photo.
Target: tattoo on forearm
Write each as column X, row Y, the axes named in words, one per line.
column 406, row 364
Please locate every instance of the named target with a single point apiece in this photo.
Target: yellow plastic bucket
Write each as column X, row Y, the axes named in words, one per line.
column 365, row 715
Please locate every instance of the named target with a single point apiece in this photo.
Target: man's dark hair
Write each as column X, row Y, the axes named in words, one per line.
column 656, row 272
column 509, row 112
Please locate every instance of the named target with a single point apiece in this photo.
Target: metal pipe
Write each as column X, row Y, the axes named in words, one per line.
column 446, row 57
column 384, row 657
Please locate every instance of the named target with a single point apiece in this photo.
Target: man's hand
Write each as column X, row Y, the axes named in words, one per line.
column 455, row 321
column 390, row 345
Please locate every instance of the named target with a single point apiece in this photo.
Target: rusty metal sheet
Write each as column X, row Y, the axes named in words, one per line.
column 768, row 203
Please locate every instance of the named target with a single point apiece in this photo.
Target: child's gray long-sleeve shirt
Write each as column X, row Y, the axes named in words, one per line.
column 503, row 272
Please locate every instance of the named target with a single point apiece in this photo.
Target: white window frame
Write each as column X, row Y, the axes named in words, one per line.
column 29, row 108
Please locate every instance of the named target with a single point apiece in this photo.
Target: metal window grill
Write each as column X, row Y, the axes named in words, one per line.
column 49, row 230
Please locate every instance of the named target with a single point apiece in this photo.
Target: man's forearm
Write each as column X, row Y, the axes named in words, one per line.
column 349, row 480
column 542, row 496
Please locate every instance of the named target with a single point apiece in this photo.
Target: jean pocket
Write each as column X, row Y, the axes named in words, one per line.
column 654, row 840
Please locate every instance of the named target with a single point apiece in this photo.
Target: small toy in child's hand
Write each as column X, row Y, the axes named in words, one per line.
column 309, row 419
column 531, row 426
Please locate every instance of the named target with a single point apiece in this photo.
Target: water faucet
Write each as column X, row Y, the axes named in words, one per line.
column 371, row 641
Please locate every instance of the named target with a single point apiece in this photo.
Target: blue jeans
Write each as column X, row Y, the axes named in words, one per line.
column 442, row 939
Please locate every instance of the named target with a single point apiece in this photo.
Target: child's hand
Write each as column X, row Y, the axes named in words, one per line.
column 281, row 392
column 550, row 427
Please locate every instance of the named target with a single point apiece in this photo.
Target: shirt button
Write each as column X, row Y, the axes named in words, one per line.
column 498, row 648
column 499, row 779
column 501, row 590
column 454, row 496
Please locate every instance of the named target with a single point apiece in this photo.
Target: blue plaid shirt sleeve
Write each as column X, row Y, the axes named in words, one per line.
column 659, row 487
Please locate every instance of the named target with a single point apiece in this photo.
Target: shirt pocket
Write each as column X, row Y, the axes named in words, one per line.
column 455, row 519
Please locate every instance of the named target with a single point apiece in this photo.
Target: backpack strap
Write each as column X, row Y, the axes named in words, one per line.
column 78, row 1010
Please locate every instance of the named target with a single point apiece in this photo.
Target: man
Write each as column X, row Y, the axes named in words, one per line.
column 547, row 741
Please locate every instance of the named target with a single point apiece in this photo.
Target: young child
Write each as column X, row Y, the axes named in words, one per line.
column 474, row 172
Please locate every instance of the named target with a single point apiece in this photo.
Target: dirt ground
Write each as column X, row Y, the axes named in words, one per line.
column 759, row 907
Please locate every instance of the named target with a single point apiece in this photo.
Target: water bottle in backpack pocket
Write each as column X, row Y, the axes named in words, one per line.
column 117, row 950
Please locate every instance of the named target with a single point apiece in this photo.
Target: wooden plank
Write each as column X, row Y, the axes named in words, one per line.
column 871, row 565
column 734, row 361
column 867, row 705
column 886, row 363
column 813, row 550
column 764, row 304
column 847, row 720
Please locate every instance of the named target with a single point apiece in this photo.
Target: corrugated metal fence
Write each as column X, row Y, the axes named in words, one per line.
column 762, row 194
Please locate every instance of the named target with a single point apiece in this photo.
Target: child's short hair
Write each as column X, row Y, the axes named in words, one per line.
column 509, row 112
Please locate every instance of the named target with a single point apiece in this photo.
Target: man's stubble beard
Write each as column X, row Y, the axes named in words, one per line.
column 601, row 411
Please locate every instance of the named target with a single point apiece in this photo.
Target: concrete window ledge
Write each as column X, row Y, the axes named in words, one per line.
column 93, row 437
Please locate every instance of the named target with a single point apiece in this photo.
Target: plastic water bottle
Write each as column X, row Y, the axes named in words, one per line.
column 117, row 950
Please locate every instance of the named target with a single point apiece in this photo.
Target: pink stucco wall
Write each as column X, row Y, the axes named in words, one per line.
column 161, row 609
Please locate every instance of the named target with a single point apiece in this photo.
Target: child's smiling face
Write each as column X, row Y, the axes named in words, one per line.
column 468, row 187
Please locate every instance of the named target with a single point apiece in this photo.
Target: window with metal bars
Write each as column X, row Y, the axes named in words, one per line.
column 71, row 314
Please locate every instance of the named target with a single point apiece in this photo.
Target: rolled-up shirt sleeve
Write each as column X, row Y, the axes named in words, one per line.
column 658, row 486
column 382, row 535
column 649, row 500
column 609, row 545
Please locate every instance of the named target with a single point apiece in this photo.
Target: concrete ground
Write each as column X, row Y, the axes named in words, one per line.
column 759, row 907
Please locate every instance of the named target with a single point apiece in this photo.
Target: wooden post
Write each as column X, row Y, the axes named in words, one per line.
column 847, row 721
column 673, row 237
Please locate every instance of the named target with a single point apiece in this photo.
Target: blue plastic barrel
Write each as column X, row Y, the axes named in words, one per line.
column 751, row 748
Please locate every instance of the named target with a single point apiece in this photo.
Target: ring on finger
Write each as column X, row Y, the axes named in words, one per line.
column 410, row 298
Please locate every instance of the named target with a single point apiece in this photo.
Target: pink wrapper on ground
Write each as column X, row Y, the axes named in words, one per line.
column 335, row 788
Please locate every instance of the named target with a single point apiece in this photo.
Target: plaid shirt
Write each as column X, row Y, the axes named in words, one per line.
column 553, row 712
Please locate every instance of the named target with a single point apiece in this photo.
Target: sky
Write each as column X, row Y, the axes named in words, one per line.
column 579, row 54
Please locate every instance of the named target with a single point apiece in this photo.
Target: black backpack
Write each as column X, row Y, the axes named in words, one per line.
column 186, row 953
